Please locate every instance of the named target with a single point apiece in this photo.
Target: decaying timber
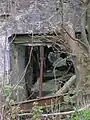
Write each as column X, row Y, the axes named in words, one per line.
column 66, row 85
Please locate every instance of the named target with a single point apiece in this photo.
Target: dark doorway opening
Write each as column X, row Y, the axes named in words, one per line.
column 32, row 77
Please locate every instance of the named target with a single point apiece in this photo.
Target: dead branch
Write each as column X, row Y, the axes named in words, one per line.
column 55, row 114
column 66, row 86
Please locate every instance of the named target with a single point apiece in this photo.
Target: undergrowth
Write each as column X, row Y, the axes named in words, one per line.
column 83, row 115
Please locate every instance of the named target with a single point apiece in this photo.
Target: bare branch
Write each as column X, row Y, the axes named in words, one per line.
column 77, row 40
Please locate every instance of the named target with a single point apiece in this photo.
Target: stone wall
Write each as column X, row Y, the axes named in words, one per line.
column 27, row 16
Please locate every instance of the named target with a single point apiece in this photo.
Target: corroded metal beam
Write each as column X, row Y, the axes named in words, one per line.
column 43, row 102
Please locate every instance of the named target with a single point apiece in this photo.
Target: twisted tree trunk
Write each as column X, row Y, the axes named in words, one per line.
column 81, row 59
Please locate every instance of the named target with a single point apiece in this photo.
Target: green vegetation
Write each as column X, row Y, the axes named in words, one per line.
column 83, row 115
column 37, row 111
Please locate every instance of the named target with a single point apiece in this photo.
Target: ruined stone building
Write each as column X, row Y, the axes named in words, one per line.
column 27, row 24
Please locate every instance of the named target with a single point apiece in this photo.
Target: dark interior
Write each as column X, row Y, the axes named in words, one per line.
column 50, row 55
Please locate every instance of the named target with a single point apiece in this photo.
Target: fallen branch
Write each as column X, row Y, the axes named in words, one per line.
column 55, row 114
column 66, row 86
